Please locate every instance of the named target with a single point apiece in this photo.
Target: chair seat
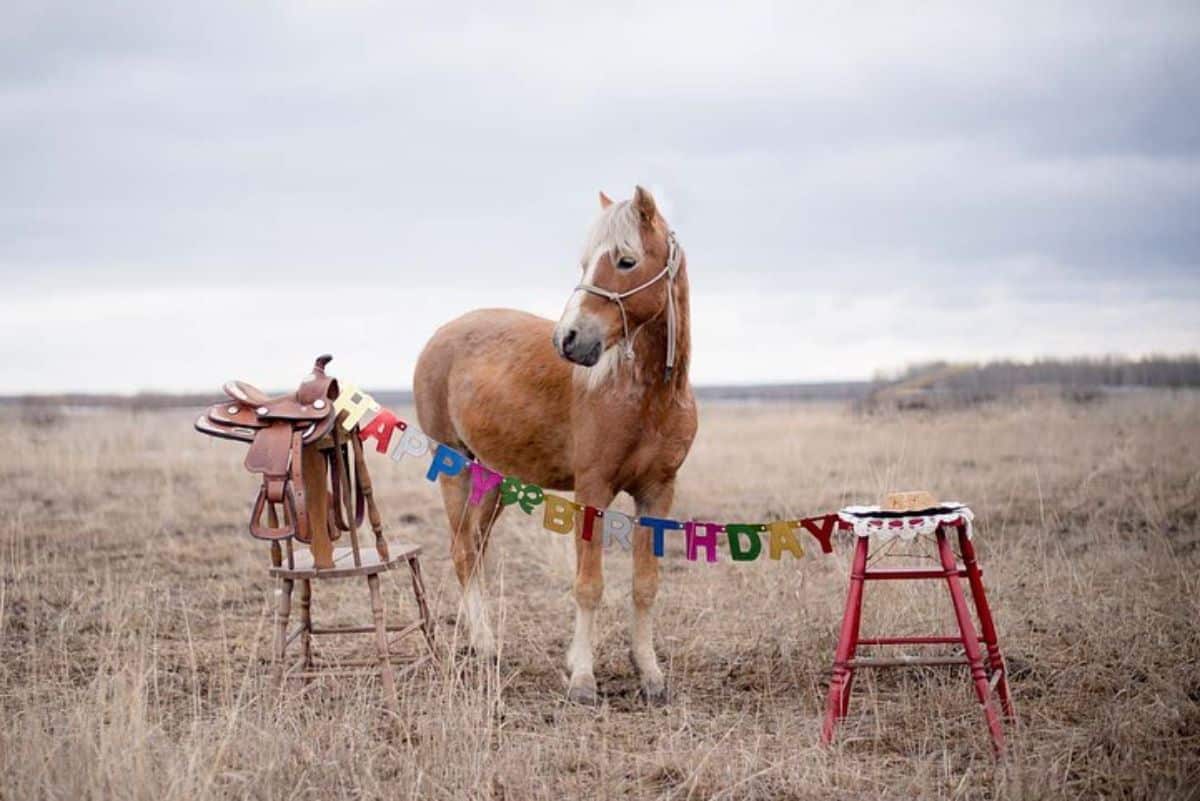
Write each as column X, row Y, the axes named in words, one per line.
column 343, row 562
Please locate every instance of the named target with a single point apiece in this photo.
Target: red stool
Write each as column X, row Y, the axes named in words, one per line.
column 990, row 677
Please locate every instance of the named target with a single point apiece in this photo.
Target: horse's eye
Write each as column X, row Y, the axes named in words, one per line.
column 626, row 263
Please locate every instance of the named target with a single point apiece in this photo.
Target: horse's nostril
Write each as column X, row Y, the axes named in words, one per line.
column 569, row 339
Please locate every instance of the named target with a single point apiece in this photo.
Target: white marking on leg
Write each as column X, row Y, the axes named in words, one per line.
column 643, row 646
column 579, row 655
column 489, row 563
column 478, row 629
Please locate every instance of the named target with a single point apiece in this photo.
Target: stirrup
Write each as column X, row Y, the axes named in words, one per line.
column 285, row 531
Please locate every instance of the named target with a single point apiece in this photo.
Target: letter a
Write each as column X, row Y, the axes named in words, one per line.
column 381, row 427
column 782, row 539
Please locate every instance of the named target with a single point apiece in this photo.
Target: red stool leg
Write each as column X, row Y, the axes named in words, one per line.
column 969, row 639
column 848, row 678
column 986, row 623
column 847, row 644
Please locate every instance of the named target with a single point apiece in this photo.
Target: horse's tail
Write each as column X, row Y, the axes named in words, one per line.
column 431, row 388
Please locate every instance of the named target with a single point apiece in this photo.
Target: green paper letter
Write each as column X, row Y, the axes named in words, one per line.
column 733, row 533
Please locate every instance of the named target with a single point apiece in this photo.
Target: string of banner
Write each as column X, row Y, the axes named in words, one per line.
column 744, row 541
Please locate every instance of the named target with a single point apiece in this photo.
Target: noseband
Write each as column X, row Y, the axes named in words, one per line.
column 674, row 256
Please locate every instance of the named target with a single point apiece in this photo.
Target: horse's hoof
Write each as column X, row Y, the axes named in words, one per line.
column 487, row 657
column 583, row 695
column 484, row 649
column 656, row 694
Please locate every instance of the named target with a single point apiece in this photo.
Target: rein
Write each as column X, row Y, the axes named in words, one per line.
column 668, row 272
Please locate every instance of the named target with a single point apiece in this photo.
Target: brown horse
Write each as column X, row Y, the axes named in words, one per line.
column 621, row 418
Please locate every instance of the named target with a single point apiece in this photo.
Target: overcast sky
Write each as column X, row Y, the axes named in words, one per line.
column 854, row 189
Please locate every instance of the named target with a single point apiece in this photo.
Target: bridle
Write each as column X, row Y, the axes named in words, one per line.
column 674, row 258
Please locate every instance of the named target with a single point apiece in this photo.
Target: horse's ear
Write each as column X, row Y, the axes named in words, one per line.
column 644, row 203
column 605, row 201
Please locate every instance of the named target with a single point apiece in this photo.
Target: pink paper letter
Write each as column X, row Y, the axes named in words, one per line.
column 707, row 540
column 483, row 481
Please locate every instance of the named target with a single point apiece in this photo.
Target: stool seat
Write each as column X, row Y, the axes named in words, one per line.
column 343, row 562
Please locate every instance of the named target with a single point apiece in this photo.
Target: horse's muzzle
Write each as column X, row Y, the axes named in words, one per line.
column 580, row 350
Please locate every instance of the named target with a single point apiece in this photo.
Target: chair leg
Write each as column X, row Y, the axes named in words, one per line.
column 381, row 642
column 418, row 585
column 281, row 638
column 839, row 685
column 969, row 640
column 986, row 624
column 306, row 622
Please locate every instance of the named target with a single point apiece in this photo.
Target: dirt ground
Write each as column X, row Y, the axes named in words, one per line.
column 135, row 621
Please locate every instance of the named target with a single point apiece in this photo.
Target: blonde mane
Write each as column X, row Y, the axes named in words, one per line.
column 617, row 232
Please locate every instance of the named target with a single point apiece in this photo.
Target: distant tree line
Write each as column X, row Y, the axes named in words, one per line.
column 944, row 384
column 1106, row 371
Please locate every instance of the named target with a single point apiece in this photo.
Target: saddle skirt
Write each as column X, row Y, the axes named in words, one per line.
column 278, row 429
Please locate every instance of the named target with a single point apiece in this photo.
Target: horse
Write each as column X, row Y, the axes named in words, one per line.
column 598, row 403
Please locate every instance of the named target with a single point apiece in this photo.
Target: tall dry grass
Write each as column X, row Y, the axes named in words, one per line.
column 135, row 617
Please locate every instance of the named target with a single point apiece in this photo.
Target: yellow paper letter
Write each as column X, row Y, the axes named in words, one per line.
column 560, row 514
column 782, row 539
column 355, row 403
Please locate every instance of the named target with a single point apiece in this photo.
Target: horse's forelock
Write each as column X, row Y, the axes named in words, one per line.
column 616, row 231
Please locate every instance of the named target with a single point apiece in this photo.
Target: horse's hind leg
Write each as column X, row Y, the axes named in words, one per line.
column 470, row 526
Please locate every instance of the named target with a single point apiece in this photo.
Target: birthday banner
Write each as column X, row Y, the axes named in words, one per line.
column 744, row 542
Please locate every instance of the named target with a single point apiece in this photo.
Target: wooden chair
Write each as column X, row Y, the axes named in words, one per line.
column 315, row 488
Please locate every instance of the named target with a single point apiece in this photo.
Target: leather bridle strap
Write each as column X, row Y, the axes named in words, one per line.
column 674, row 257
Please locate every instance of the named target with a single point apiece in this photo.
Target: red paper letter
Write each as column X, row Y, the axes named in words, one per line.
column 824, row 533
column 381, row 427
column 590, row 513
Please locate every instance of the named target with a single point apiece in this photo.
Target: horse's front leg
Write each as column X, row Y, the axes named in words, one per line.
column 589, row 588
column 655, row 502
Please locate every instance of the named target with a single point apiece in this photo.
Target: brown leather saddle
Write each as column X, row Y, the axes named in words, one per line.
column 278, row 429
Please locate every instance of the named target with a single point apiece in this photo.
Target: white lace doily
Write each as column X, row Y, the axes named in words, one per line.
column 866, row 522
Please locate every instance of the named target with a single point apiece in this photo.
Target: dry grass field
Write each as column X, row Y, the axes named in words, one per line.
column 135, row 614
